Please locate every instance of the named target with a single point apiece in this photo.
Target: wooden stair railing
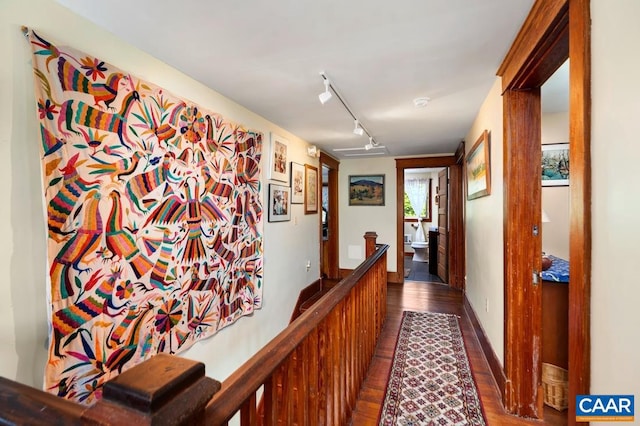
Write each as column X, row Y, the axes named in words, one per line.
column 164, row 390
column 310, row 373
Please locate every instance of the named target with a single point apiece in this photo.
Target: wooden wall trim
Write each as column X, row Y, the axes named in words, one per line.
column 580, row 205
column 415, row 163
column 541, row 28
column 522, row 211
column 490, row 355
column 425, row 162
column 333, row 248
column 456, row 232
column 537, row 50
column 329, row 160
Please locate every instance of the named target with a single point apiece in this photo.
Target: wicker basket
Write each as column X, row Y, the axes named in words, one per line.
column 555, row 383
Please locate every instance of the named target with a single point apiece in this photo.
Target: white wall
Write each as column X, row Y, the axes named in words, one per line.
column 23, row 308
column 484, row 229
column 355, row 221
column 615, row 288
column 555, row 199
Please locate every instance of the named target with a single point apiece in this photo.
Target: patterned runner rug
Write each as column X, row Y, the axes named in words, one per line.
column 430, row 381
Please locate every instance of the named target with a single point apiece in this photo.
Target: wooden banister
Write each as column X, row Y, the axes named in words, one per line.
column 162, row 390
column 312, row 371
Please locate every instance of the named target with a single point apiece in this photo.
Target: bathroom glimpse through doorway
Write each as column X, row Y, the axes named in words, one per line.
column 420, row 219
column 452, row 240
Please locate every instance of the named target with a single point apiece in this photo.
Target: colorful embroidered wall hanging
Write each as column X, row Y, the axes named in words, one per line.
column 154, row 219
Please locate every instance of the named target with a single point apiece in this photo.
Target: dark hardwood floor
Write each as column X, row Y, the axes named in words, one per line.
column 435, row 298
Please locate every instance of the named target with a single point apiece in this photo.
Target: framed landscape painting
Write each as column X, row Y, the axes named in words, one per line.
column 555, row 164
column 366, row 190
column 479, row 168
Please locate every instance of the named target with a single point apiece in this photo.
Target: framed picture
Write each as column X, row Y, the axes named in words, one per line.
column 555, row 164
column 479, row 168
column 278, row 167
column 279, row 207
column 366, row 190
column 310, row 189
column 297, row 183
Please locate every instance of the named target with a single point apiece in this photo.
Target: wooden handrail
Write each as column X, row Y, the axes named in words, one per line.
column 311, row 372
column 350, row 315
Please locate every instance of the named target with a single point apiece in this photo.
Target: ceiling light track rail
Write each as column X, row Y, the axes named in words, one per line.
column 359, row 129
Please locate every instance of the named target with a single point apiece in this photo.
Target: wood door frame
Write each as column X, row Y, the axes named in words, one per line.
column 333, row 240
column 553, row 31
column 456, row 236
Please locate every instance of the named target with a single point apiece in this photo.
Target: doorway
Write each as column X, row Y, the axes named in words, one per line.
column 423, row 206
column 329, row 238
column 454, row 238
column 554, row 31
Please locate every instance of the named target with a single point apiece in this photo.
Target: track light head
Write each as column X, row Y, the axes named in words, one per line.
column 325, row 96
column 357, row 129
column 368, row 146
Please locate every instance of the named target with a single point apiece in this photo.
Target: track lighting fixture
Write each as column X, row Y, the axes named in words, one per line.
column 358, row 127
column 326, row 95
column 371, row 144
column 357, row 130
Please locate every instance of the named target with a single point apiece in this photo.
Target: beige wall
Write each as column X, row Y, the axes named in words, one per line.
column 615, row 326
column 555, row 199
column 23, row 271
column 484, row 232
column 356, row 220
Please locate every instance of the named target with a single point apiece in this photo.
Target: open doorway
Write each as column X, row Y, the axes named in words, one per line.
column 450, row 234
column 329, row 238
column 421, row 214
column 540, row 48
column 555, row 243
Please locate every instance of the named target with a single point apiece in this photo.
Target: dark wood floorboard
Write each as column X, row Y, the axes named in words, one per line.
column 434, row 298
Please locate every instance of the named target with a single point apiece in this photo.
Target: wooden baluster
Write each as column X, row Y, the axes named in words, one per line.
column 314, row 373
column 269, row 401
column 248, row 413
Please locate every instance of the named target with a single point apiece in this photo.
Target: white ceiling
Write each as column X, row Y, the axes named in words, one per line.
column 380, row 55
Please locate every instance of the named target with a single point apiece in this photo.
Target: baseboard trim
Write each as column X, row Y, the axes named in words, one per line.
column 305, row 294
column 490, row 355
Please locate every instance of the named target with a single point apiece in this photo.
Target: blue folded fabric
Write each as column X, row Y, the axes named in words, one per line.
column 559, row 270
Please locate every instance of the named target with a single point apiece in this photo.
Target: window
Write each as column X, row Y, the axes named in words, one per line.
column 408, row 210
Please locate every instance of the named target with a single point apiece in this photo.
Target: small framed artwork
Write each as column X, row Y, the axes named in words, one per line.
column 555, row 164
column 479, row 168
column 310, row 189
column 297, row 183
column 279, row 208
column 278, row 168
column 366, row 190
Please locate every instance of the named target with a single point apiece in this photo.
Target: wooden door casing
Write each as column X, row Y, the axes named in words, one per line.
column 443, row 225
column 554, row 31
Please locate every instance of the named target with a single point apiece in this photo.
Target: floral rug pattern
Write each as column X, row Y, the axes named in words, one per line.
column 430, row 381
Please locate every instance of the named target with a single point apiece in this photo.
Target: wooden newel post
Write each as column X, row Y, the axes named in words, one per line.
column 165, row 390
column 370, row 242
